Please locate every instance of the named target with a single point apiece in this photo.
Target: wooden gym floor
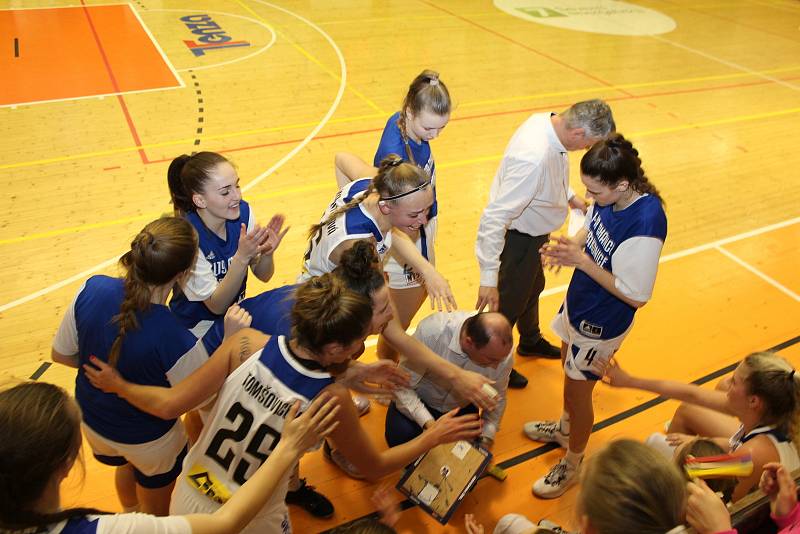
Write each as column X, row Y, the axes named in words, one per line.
column 97, row 98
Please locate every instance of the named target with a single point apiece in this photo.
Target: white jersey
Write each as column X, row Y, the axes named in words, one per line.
column 242, row 430
column 786, row 449
column 135, row 523
column 353, row 224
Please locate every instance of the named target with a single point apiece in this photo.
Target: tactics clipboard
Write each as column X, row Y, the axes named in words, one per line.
column 438, row 481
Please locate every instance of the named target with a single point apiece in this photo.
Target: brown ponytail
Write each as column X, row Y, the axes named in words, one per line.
column 188, row 175
column 326, row 311
column 360, row 269
column 162, row 250
column 40, row 426
column 613, row 160
column 394, row 177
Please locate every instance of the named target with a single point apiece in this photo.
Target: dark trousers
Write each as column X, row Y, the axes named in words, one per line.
column 400, row 429
column 520, row 282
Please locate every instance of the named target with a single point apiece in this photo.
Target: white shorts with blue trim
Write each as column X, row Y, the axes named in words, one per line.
column 404, row 277
column 586, row 357
column 152, row 458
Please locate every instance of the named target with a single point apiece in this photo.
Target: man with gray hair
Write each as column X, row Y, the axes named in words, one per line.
column 529, row 198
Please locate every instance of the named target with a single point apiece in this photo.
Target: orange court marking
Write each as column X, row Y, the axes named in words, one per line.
column 99, row 50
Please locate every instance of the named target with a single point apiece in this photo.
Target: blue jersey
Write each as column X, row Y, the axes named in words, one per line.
column 271, row 312
column 392, row 143
column 158, row 353
column 218, row 253
column 592, row 310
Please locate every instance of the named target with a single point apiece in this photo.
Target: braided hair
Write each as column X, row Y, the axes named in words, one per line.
column 327, row 311
column 613, row 160
column 426, row 93
column 163, row 249
column 394, row 177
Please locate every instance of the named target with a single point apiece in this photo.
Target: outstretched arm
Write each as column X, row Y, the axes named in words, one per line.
column 438, row 287
column 468, row 384
column 715, row 400
column 171, row 402
column 355, row 444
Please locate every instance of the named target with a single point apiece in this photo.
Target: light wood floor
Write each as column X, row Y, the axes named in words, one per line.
column 712, row 106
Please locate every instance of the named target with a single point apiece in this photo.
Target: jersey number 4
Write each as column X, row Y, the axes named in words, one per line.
column 238, row 435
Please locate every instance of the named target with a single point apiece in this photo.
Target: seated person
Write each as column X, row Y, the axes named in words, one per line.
column 479, row 342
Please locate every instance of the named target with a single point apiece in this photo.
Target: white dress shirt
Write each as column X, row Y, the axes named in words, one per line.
column 529, row 194
column 440, row 332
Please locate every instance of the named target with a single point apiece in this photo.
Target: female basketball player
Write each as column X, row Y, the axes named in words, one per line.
column 205, row 190
column 764, row 400
column 372, row 209
column 422, row 117
column 264, row 376
column 125, row 322
column 615, row 258
column 41, row 432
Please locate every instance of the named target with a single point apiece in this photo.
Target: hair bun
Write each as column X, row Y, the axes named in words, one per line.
column 392, row 160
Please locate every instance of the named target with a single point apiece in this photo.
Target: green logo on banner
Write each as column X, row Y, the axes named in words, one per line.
column 541, row 12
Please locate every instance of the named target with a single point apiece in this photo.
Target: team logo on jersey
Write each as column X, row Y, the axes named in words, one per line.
column 206, row 483
column 212, row 36
column 211, row 256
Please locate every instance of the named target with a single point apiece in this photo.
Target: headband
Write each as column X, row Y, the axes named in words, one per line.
column 401, row 195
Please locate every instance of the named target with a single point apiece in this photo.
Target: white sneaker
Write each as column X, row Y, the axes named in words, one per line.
column 553, row 527
column 547, row 432
column 362, row 404
column 560, row 478
column 338, row 459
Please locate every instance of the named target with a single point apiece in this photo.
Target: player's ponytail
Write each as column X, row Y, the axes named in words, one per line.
column 162, row 250
column 426, row 93
column 394, row 178
column 359, row 268
column 326, row 311
column 773, row 380
column 187, row 175
column 613, row 160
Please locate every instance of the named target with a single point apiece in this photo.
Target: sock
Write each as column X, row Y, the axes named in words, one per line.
column 564, row 423
column 573, row 458
column 130, row 509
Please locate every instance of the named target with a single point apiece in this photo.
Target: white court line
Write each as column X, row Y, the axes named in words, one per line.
column 767, row 279
column 175, row 74
column 87, row 97
column 250, row 185
column 326, row 118
column 225, row 13
column 727, row 63
column 688, row 252
column 158, row 46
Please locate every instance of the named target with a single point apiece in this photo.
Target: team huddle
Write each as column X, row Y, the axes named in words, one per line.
column 263, row 379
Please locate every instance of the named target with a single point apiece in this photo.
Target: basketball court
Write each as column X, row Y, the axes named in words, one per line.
column 97, row 98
